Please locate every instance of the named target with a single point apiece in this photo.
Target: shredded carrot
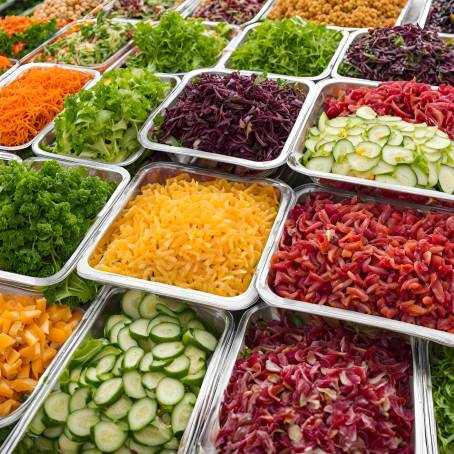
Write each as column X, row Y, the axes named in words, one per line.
column 32, row 101
column 26, row 349
column 5, row 63
column 16, row 24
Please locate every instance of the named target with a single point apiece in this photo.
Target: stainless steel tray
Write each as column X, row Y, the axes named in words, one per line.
column 268, row 295
column 323, row 90
column 425, row 16
column 354, row 36
column 145, row 140
column 111, row 173
column 242, row 38
column 11, row 77
column 101, row 67
column 54, row 366
column 182, row 8
column 193, row 5
column 5, row 157
column 7, row 4
column 205, row 443
column 47, row 137
column 158, row 173
column 134, row 50
column 14, row 66
column 108, row 302
column 409, row 14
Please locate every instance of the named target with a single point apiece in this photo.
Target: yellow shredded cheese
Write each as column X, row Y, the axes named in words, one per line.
column 205, row 236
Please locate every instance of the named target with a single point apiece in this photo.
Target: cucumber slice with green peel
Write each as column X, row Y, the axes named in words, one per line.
column 164, row 310
column 325, row 147
column 320, row 164
column 195, row 379
column 169, row 391
column 91, row 376
column 105, row 364
column 178, row 368
column 145, row 362
column 395, row 139
column 420, row 175
column 108, row 392
column 379, row 133
column 142, row 413
column 151, row 380
column 387, row 179
column 368, row 149
column 168, row 451
column 147, row 308
column 186, row 316
column 79, row 399
column 91, row 451
column 141, row 449
column 81, row 421
column 130, row 303
column 54, row 432
column 108, row 437
column 332, row 131
column 409, row 143
column 432, row 179
column 405, row 175
column 122, row 450
column 68, row 446
column 397, row 155
column 132, row 358
column 159, row 364
column 113, row 320
column 182, row 413
column 194, row 353
column 119, row 409
column 105, row 377
column 196, row 364
column 314, row 131
column 165, row 332
column 174, row 305
column 113, row 336
column 361, row 163
column 116, row 371
column 168, row 350
column 446, row 179
column 72, row 388
column 338, row 122
column 438, row 142
column 37, row 426
column 195, row 324
column 162, row 319
column 146, row 344
column 172, row 444
column 132, row 382
column 322, row 121
column 156, row 434
column 340, row 169
column 82, row 380
column 74, row 375
column 44, row 445
column 342, row 149
column 310, row 144
column 125, row 341
column 139, row 328
column 204, row 340
column 366, row 113
column 56, row 407
column 434, row 157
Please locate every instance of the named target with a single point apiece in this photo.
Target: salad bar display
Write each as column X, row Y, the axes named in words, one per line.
column 226, row 226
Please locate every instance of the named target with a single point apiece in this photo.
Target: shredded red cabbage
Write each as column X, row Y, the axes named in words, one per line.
column 321, row 387
column 234, row 115
column 231, row 11
column 404, row 52
column 412, row 101
column 441, row 16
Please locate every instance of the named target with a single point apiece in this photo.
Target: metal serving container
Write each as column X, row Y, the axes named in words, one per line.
column 105, row 172
column 159, row 173
column 206, row 440
column 23, row 68
column 6, row 157
column 324, row 90
column 424, row 17
column 54, row 365
column 107, row 303
column 193, row 5
column 242, row 38
column 184, row 152
column 182, row 8
column 409, row 14
column 235, row 31
column 409, row 329
column 353, row 37
column 67, row 30
column 47, row 137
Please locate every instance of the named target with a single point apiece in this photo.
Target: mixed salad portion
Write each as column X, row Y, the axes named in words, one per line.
column 143, row 9
column 235, row 12
column 318, row 386
column 132, row 390
column 65, row 11
column 441, row 16
column 88, row 44
column 287, row 46
column 102, row 123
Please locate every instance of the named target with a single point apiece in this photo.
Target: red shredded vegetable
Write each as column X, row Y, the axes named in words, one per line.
column 319, row 388
column 371, row 258
column 412, row 101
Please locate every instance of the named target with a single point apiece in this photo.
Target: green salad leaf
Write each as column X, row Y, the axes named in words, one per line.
column 442, row 369
column 177, row 45
column 103, row 122
column 288, row 47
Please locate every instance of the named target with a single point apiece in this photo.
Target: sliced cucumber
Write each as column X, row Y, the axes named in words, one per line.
column 322, row 121
column 446, row 179
column 79, row 399
column 125, row 341
column 105, row 364
column 145, row 362
column 142, row 413
column 342, row 149
column 37, row 426
column 116, row 371
column 433, row 174
column 368, row 150
column 174, row 305
column 81, row 421
column 130, row 303
column 438, row 142
column 159, row 364
column 162, row 319
column 405, row 175
column 72, row 388
column 420, row 175
column 387, row 179
column 379, row 133
column 194, row 379
column 320, row 164
column 165, row 332
column 91, row 376
column 113, row 336
column 108, row 392
column 156, row 434
column 112, row 321
column 151, row 379
column 119, row 409
column 146, row 344
column 56, row 407
column 169, row 391
column 178, row 368
column 204, row 340
column 132, row 382
column 182, row 413
column 44, row 445
column 68, row 446
column 141, row 449
column 366, row 113
column 147, row 308
column 139, row 328
column 168, row 350
column 54, row 432
column 108, row 437
column 186, row 316
column 382, row 168
column 395, row 139
column 75, row 374
column 132, row 358
column 397, row 155
column 164, row 309
column 361, row 163
column 197, row 324
column 172, row 444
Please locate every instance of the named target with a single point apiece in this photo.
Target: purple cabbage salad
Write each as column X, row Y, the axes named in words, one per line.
column 404, row 52
column 441, row 16
column 248, row 117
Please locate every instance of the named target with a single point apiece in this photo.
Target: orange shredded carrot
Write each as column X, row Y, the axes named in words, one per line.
column 16, row 24
column 5, row 63
column 32, row 101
